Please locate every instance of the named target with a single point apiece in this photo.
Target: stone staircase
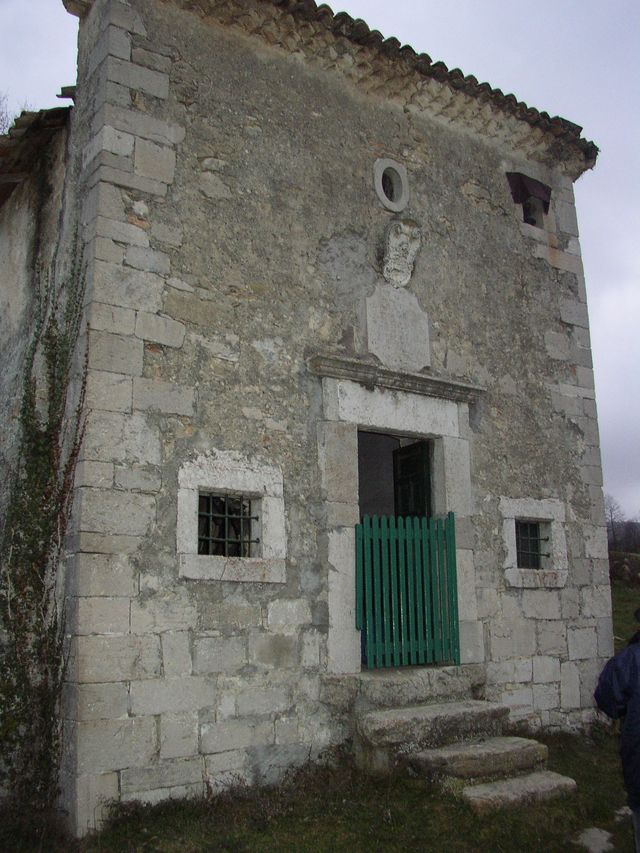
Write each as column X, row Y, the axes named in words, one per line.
column 434, row 723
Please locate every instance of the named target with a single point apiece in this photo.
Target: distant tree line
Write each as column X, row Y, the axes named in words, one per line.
column 623, row 533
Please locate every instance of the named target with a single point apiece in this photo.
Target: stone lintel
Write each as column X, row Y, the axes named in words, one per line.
column 371, row 375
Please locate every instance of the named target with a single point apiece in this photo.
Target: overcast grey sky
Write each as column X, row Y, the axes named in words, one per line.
column 576, row 58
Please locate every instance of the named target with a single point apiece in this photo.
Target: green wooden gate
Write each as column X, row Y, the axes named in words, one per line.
column 406, row 591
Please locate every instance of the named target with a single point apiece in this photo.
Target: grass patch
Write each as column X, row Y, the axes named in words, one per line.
column 626, row 600
column 335, row 808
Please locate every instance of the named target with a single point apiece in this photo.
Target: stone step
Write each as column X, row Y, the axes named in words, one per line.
column 488, row 758
column 382, row 736
column 518, row 790
column 389, row 688
column 419, row 726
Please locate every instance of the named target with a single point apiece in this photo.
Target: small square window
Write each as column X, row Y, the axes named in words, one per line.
column 530, row 544
column 534, row 196
column 225, row 526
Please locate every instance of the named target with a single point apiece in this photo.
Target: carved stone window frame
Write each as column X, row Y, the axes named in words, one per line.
column 550, row 514
column 229, row 472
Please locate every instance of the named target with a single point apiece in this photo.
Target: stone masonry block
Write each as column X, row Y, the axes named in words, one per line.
column 569, row 686
column 219, row 654
column 137, row 479
column 103, row 200
column 154, row 161
column 137, row 77
column 179, row 735
column 114, row 41
column 106, row 249
column 101, row 615
column 127, row 287
column 546, row 669
column 546, row 696
column 94, row 794
column 176, row 653
column 121, row 232
column 114, row 744
column 165, row 774
column 97, row 475
column 126, row 17
column 262, row 701
column 165, row 397
column 115, row 353
column 235, row 734
column 100, row 701
column 566, row 218
column 541, row 604
column 118, row 437
column 235, row 611
column 225, row 769
column 512, row 638
column 112, row 392
column 110, row 318
column 139, row 124
column 287, row 614
column 595, row 542
column 88, row 542
column 278, row 651
column 574, row 313
column 98, row 659
column 124, row 177
column 127, row 513
column 596, row 601
column 338, row 455
column 583, row 643
column 148, row 260
column 111, row 140
column 514, row 671
column 310, row 654
column 104, row 574
column 162, row 695
column 467, row 599
column 552, row 638
column 151, row 59
column 161, row 330
column 169, row 610
column 604, row 628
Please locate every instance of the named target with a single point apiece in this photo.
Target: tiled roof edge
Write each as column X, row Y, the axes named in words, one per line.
column 357, row 31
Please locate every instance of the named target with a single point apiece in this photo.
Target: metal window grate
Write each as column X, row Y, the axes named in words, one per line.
column 529, row 544
column 224, row 525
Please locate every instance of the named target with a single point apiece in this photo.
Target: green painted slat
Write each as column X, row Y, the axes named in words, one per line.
column 411, row 590
column 396, row 634
column 359, row 572
column 368, row 592
column 419, row 567
column 453, row 588
column 377, row 592
column 435, row 592
column 402, row 584
column 442, row 577
column 387, row 618
column 428, row 615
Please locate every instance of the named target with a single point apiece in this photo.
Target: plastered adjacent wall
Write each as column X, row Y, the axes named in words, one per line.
column 233, row 230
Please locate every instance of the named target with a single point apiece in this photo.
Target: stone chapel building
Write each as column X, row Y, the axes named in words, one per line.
column 334, row 293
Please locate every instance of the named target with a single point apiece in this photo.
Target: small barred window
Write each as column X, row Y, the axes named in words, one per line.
column 225, row 525
column 530, row 544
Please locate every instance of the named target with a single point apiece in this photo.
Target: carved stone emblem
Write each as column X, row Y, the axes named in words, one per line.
column 402, row 242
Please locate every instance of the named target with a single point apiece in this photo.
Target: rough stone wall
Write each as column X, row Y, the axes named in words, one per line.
column 234, row 230
column 29, row 229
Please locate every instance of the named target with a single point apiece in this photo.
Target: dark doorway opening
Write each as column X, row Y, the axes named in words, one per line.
column 394, row 475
